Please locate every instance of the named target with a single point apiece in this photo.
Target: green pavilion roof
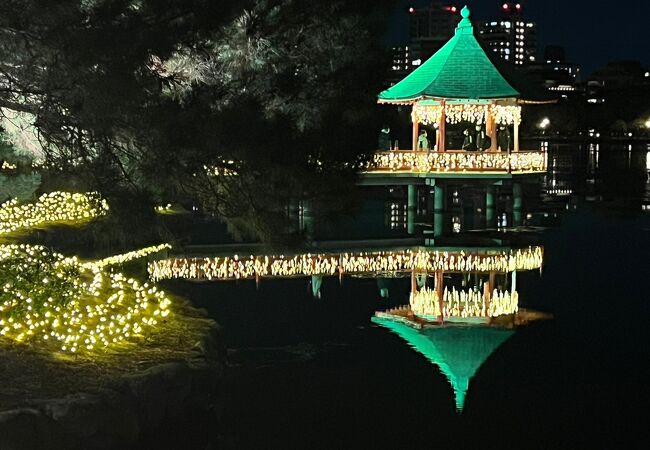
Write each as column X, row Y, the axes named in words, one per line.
column 459, row 70
column 457, row 351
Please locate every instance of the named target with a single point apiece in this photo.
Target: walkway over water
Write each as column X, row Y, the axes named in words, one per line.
column 362, row 263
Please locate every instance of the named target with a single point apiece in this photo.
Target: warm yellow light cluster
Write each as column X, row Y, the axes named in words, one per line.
column 51, row 208
column 126, row 257
column 163, row 208
column 464, row 303
column 473, row 113
column 506, row 115
column 6, row 165
column 234, row 268
column 88, row 308
column 528, row 162
column 221, row 171
column 457, row 161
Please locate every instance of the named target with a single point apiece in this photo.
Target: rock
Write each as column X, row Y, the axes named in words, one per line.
column 127, row 409
column 95, row 420
column 28, row 429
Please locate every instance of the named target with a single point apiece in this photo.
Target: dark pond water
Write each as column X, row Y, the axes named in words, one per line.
column 311, row 372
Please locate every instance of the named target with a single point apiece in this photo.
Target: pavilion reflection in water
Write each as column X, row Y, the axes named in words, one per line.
column 457, row 324
column 457, row 351
column 468, row 283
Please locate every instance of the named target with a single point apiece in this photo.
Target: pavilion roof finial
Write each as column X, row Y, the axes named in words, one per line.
column 465, row 25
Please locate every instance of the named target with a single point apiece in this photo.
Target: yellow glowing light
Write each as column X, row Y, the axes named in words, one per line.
column 126, row 257
column 478, row 114
column 464, row 303
column 51, row 208
column 78, row 306
column 252, row 267
column 455, row 161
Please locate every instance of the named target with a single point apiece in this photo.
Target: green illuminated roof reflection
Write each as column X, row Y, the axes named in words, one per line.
column 458, row 351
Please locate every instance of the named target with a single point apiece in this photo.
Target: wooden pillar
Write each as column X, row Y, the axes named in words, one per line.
column 490, row 289
column 441, row 128
column 414, row 284
column 493, row 131
column 416, row 126
column 516, row 148
column 440, row 292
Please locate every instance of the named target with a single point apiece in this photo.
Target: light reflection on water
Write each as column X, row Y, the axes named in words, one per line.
column 457, row 351
column 579, row 369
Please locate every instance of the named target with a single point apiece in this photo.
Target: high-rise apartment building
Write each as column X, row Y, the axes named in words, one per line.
column 510, row 37
column 430, row 28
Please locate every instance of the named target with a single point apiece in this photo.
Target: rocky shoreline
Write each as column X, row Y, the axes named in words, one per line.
column 126, row 409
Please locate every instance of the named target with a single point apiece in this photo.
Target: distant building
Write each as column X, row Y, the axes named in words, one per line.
column 608, row 81
column 555, row 73
column 430, row 28
column 621, row 74
column 510, row 36
column 401, row 63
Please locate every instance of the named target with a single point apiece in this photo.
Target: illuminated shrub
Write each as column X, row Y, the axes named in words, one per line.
column 73, row 306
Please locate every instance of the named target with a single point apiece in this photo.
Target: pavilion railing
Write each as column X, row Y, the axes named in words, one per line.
column 458, row 161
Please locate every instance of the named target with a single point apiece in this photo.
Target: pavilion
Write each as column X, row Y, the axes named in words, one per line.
column 460, row 83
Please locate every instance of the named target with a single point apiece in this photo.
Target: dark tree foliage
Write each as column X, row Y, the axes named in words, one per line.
column 275, row 98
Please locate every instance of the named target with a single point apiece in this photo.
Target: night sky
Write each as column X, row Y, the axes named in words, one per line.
column 592, row 32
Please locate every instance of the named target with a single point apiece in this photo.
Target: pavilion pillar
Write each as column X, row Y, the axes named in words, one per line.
column 316, row 282
column 438, row 208
column 491, row 126
column 489, row 206
column 516, row 204
column 516, row 131
column 307, row 224
column 441, row 128
column 488, row 288
column 513, row 283
column 411, row 205
column 414, row 283
column 383, row 287
column 439, row 293
column 416, row 126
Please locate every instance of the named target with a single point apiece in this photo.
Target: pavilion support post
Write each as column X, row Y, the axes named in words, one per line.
column 316, row 283
column 441, row 129
column 516, row 132
column 382, row 286
column 487, row 292
column 513, row 283
column 489, row 206
column 440, row 293
column 411, row 207
column 307, row 224
column 493, row 131
column 516, row 204
column 414, row 283
column 416, row 127
column 438, row 209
